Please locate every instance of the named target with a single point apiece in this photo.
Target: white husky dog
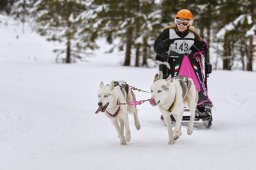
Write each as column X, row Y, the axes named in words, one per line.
column 113, row 100
column 171, row 95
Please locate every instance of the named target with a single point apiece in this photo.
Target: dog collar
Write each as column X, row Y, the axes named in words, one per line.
column 115, row 114
column 173, row 104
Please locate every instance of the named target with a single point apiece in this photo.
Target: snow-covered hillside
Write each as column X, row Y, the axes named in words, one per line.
column 47, row 119
column 18, row 43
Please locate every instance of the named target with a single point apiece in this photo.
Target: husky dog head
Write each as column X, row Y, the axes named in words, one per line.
column 106, row 96
column 160, row 90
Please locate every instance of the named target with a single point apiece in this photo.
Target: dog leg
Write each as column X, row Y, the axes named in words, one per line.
column 118, row 129
column 192, row 99
column 167, row 120
column 177, row 131
column 192, row 108
column 134, row 111
column 127, row 128
column 136, row 119
column 121, row 122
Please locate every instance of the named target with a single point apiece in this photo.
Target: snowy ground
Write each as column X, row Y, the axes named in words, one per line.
column 47, row 119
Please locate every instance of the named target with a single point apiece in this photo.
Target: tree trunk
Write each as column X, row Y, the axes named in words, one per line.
column 249, row 65
column 68, row 52
column 208, row 28
column 218, row 54
column 137, row 57
column 201, row 29
column 242, row 58
column 243, row 52
column 250, row 54
column 145, row 53
column 145, row 56
column 127, row 61
column 227, row 54
column 209, row 41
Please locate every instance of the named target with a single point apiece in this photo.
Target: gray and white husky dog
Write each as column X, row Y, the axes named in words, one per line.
column 171, row 95
column 113, row 99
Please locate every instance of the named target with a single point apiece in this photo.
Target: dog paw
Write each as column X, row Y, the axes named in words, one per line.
column 189, row 131
column 128, row 136
column 177, row 135
column 171, row 142
column 137, row 125
column 123, row 142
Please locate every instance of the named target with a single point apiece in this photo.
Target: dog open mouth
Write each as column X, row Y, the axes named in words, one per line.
column 102, row 108
column 153, row 102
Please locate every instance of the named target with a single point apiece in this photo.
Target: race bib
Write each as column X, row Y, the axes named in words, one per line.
column 181, row 46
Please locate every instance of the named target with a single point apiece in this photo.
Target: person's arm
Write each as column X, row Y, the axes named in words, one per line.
column 199, row 46
column 162, row 43
column 161, row 47
column 203, row 47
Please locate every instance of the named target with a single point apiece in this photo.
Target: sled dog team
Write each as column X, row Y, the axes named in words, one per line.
column 170, row 95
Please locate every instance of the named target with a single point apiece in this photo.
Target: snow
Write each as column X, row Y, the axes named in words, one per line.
column 251, row 31
column 47, row 119
column 17, row 46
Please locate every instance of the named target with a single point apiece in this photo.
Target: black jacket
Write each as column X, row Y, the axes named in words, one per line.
column 161, row 48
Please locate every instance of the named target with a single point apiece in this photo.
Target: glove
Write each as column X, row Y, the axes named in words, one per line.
column 163, row 63
column 162, row 57
column 161, row 60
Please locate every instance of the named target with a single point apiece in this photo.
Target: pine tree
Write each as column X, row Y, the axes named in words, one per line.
column 169, row 9
column 6, row 6
column 61, row 20
column 22, row 10
column 149, row 29
column 250, row 5
column 240, row 15
column 131, row 22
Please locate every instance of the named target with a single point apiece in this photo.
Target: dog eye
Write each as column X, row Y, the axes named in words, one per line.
column 99, row 95
column 151, row 91
column 107, row 95
column 159, row 91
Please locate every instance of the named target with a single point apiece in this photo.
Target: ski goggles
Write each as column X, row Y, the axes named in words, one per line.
column 182, row 22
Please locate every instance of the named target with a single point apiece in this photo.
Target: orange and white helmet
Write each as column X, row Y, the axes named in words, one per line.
column 184, row 14
column 184, row 17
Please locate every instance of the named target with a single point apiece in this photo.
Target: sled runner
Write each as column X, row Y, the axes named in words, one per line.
column 197, row 67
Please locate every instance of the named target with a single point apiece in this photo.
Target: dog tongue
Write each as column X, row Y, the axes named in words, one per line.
column 152, row 102
column 98, row 110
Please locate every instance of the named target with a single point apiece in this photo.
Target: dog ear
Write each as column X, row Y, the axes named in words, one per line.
column 101, row 84
column 111, row 85
column 169, row 78
column 157, row 77
column 161, row 75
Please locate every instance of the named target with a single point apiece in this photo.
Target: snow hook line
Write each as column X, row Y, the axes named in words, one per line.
column 135, row 102
column 140, row 90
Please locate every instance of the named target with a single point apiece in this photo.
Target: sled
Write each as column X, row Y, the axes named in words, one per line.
column 197, row 66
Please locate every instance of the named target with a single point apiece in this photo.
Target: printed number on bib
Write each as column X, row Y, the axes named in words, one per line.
column 182, row 48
